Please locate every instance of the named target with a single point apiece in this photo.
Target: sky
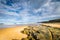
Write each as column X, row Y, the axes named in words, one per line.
column 28, row 11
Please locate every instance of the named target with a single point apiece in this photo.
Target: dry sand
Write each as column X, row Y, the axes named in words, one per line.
column 57, row 25
column 12, row 33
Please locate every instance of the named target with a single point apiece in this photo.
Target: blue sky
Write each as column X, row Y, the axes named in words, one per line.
column 28, row 11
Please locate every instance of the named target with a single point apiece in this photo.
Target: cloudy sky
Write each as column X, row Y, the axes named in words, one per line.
column 28, row 11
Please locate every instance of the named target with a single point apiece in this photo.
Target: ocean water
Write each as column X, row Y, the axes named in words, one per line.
column 8, row 26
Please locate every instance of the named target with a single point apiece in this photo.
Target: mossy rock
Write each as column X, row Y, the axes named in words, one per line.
column 42, row 33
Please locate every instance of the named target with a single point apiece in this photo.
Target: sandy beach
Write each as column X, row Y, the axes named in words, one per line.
column 12, row 33
column 57, row 25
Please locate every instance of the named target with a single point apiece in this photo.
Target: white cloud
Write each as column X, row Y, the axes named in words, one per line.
column 47, row 8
